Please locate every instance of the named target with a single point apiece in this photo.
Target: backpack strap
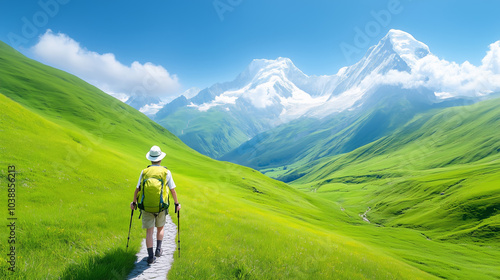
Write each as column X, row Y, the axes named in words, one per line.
column 158, row 165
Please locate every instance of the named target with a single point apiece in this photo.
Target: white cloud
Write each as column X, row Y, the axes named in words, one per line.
column 449, row 79
column 491, row 61
column 222, row 99
column 151, row 109
column 443, row 95
column 104, row 70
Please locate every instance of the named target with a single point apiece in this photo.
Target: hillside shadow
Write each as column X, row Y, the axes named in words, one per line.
column 115, row 264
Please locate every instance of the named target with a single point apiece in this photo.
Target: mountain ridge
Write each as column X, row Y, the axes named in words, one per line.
column 271, row 93
column 259, row 71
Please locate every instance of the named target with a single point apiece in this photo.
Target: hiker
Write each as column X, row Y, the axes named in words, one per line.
column 154, row 212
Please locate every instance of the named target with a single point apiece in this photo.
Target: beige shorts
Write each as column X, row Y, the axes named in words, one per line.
column 149, row 220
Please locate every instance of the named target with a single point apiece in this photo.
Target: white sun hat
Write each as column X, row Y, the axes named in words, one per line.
column 155, row 154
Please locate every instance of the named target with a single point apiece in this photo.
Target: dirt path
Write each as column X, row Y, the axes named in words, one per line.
column 163, row 264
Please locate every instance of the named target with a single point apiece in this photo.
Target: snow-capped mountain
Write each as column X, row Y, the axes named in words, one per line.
column 275, row 86
column 397, row 51
column 269, row 93
column 278, row 86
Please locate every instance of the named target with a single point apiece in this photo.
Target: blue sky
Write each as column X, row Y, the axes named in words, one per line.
column 204, row 42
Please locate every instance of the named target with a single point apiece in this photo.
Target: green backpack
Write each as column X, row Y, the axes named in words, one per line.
column 153, row 196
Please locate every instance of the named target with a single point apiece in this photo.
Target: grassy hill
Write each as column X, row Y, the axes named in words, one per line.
column 439, row 175
column 77, row 154
column 449, row 157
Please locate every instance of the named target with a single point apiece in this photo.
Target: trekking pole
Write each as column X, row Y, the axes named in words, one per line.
column 178, row 232
column 130, row 226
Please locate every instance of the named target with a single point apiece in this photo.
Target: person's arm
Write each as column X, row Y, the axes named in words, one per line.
column 176, row 201
column 171, row 186
column 133, row 204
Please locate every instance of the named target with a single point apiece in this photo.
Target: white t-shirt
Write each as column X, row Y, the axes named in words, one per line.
column 170, row 180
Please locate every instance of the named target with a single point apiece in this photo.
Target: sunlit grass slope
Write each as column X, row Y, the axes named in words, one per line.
column 439, row 176
column 78, row 153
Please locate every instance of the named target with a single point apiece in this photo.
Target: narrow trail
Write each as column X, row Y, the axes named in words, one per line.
column 163, row 264
column 363, row 216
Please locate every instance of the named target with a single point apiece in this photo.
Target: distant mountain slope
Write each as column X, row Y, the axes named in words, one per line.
column 307, row 139
column 139, row 101
column 436, row 139
column 213, row 134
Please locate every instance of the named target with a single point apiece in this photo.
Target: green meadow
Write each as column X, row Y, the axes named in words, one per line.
column 437, row 177
column 78, row 153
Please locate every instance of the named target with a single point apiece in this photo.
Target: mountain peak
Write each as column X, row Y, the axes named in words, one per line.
column 397, row 51
column 264, row 68
column 280, row 62
column 406, row 46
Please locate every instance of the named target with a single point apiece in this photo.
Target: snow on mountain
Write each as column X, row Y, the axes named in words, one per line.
column 261, row 70
column 397, row 51
column 409, row 49
column 276, row 85
column 279, row 85
column 191, row 92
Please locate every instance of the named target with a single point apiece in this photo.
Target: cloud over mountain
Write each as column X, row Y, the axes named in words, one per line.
column 448, row 79
column 104, row 70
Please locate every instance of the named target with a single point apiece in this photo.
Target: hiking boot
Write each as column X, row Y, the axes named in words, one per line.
column 151, row 260
column 158, row 252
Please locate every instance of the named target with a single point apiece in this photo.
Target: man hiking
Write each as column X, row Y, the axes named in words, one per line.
column 152, row 198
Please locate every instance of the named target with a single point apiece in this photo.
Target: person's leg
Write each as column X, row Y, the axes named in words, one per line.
column 159, row 233
column 148, row 223
column 149, row 245
column 149, row 237
column 160, row 223
column 159, row 240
